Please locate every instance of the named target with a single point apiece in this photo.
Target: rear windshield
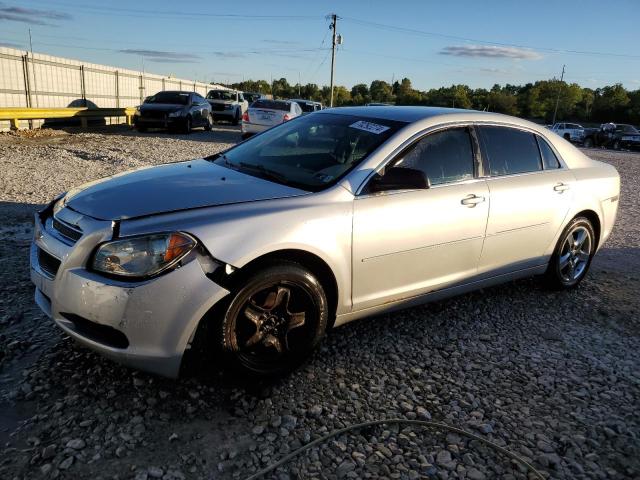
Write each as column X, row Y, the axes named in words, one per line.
column 173, row 98
column 272, row 105
column 307, row 107
column 311, row 152
column 221, row 95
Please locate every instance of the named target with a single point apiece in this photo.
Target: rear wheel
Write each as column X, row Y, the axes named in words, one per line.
column 573, row 254
column 588, row 142
column 567, row 137
column 275, row 321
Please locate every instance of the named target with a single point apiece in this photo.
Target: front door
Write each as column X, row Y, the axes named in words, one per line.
column 409, row 242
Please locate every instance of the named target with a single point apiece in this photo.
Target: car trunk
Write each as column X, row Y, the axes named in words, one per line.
column 266, row 116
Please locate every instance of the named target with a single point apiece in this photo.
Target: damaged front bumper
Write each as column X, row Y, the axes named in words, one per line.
column 147, row 325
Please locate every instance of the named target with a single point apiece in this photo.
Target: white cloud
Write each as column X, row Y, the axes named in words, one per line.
column 490, row 51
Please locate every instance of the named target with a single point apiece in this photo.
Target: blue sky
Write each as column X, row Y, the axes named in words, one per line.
column 434, row 43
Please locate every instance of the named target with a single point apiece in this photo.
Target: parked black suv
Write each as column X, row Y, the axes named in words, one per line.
column 173, row 110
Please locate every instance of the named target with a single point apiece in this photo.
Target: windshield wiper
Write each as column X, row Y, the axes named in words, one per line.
column 264, row 172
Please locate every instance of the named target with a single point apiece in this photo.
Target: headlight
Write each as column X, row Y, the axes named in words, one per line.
column 142, row 256
column 59, row 203
column 177, row 113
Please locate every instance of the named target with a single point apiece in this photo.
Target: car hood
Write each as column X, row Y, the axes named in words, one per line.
column 168, row 188
column 160, row 107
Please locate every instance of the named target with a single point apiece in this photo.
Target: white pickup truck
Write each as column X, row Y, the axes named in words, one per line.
column 569, row 131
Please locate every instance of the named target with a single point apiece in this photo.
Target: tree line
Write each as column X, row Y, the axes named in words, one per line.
column 535, row 101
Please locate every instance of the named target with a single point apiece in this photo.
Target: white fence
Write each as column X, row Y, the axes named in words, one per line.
column 44, row 81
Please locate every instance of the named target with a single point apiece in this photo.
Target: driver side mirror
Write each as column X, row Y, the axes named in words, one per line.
column 397, row 178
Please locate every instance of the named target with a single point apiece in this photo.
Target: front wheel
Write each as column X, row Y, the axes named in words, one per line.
column 209, row 125
column 617, row 145
column 588, row 142
column 275, row 321
column 187, row 126
column 573, row 254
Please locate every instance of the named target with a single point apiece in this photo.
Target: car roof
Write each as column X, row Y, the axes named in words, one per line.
column 180, row 92
column 402, row 114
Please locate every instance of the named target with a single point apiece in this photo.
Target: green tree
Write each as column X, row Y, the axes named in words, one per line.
column 380, row 91
column 360, row 94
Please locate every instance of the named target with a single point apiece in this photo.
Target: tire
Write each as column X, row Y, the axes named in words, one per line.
column 274, row 321
column 236, row 119
column 616, row 145
column 187, row 126
column 572, row 256
column 588, row 143
column 209, row 125
column 567, row 137
column 245, row 135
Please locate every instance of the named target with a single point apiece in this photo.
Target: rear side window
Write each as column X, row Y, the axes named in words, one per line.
column 444, row 157
column 272, row 105
column 549, row 159
column 511, row 151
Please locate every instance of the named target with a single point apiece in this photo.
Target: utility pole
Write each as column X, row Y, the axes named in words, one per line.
column 555, row 111
column 334, row 19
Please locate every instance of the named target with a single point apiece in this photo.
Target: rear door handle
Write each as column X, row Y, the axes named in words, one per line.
column 472, row 200
column 561, row 187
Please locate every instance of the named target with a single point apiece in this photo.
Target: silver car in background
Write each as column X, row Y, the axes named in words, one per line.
column 334, row 216
column 264, row 114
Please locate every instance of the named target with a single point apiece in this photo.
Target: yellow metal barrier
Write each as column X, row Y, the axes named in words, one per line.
column 14, row 115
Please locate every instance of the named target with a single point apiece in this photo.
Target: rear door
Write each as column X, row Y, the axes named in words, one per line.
column 410, row 242
column 530, row 196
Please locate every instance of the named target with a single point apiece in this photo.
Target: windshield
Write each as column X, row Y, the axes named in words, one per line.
column 221, row 95
column 310, row 152
column 173, row 98
column 627, row 129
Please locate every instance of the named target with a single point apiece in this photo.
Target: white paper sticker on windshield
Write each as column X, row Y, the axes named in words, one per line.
column 369, row 127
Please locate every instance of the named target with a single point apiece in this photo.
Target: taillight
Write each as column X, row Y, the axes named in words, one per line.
column 245, row 116
column 286, row 117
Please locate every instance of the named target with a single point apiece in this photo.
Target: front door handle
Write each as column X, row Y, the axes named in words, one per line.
column 472, row 200
column 561, row 187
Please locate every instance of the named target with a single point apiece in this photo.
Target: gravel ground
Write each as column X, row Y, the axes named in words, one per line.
column 553, row 377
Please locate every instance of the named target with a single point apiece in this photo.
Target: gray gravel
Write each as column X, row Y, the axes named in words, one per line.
column 553, row 377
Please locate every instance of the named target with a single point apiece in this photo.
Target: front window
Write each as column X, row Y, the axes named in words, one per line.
column 221, row 95
column 443, row 157
column 170, row 98
column 311, row 152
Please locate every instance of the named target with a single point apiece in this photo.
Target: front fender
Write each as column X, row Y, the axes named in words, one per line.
column 320, row 224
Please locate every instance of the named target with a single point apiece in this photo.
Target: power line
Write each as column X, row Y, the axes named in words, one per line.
column 489, row 42
column 119, row 11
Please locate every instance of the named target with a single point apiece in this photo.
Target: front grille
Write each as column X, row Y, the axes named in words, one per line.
column 67, row 231
column 97, row 332
column 48, row 263
column 154, row 114
column 217, row 107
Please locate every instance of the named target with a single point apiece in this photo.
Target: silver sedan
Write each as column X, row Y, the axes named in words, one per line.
column 257, row 251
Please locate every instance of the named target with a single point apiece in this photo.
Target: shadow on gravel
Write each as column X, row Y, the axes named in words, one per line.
column 221, row 133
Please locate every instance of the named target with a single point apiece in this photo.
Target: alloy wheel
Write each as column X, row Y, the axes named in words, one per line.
column 575, row 254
